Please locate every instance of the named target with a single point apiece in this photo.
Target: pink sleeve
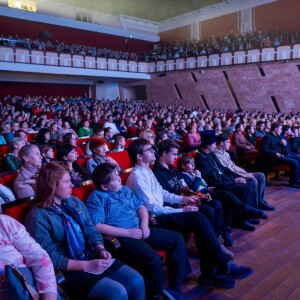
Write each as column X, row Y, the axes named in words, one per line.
column 34, row 257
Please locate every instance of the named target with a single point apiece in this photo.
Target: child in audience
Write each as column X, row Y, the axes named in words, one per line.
column 47, row 154
column 191, row 176
column 117, row 212
column 119, row 144
column 61, row 224
column 98, row 148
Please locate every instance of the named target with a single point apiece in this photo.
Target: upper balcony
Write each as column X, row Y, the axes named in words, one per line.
column 35, row 61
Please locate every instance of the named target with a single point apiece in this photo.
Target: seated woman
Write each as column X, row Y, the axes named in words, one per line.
column 71, row 139
column 47, row 154
column 62, row 225
column 193, row 139
column 43, row 137
column 85, row 129
column 31, row 161
column 128, row 221
column 242, row 145
column 65, row 128
column 21, row 250
column 12, row 161
column 98, row 132
column 68, row 156
column 250, row 137
column 98, row 148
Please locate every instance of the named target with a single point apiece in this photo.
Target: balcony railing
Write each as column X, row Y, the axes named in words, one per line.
column 46, row 58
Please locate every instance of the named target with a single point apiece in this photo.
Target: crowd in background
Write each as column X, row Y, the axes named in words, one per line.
column 61, row 47
column 215, row 44
column 161, row 132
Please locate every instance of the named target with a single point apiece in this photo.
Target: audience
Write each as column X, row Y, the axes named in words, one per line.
column 128, row 221
column 62, row 226
column 185, row 219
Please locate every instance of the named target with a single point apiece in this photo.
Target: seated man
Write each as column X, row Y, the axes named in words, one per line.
column 215, row 174
column 215, row 268
column 260, row 129
column 172, row 181
column 258, row 178
column 271, row 147
column 117, row 212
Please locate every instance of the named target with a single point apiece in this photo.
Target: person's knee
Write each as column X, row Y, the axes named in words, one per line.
column 207, row 211
column 108, row 289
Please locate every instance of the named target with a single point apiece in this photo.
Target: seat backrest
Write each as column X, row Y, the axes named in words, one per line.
column 82, row 140
column 122, row 158
column 4, row 149
column 82, row 192
column 132, row 131
column 82, row 161
column 124, row 175
column 17, row 209
column 31, row 137
column 9, row 179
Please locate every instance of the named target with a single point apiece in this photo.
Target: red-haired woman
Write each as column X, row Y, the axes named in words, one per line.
column 60, row 223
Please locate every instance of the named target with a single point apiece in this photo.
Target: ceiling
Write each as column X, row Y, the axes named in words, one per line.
column 152, row 10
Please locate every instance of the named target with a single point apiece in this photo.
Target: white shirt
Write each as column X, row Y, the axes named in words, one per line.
column 146, row 187
column 112, row 126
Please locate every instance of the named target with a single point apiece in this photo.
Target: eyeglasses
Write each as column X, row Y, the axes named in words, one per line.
column 150, row 136
column 148, row 149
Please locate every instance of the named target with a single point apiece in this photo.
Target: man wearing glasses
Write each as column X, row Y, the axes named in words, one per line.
column 215, row 268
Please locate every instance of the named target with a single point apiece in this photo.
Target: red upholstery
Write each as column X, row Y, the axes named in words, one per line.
column 128, row 142
column 122, row 158
column 232, row 139
column 4, row 149
column 17, row 209
column 83, row 161
column 82, row 140
column 83, row 192
column 31, row 137
column 110, row 145
column 132, row 131
column 124, row 175
column 9, row 179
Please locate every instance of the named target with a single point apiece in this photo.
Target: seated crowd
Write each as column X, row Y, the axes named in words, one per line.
column 215, row 44
column 169, row 193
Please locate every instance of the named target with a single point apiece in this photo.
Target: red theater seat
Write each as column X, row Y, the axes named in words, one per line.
column 82, row 192
column 17, row 209
column 122, row 158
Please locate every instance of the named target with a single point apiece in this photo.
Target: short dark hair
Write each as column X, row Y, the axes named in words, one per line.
column 260, row 122
column 237, row 126
column 135, row 148
column 64, row 150
column 222, row 138
column 102, row 174
column 285, row 128
column 275, row 125
column 166, row 146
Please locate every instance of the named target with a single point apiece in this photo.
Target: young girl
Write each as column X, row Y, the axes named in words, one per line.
column 119, row 144
column 61, row 224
